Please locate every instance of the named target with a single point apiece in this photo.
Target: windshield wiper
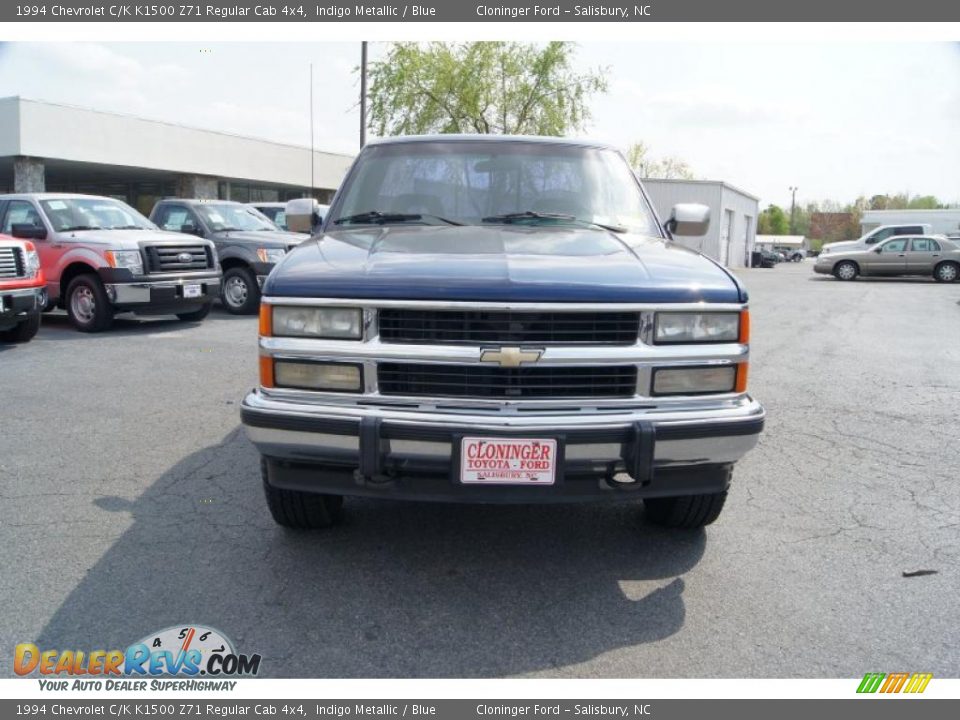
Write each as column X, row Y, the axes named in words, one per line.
column 380, row 218
column 80, row 227
column 561, row 217
column 527, row 215
column 126, row 227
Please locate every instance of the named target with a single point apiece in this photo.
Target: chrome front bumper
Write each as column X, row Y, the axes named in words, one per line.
column 162, row 292
column 377, row 441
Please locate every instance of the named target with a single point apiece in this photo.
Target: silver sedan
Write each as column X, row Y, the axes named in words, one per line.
column 903, row 255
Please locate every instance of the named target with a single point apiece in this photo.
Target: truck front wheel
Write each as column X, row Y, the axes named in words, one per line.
column 88, row 307
column 240, row 294
column 688, row 511
column 24, row 331
column 300, row 510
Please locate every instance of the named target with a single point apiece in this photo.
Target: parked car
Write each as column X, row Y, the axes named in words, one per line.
column 797, row 255
column 504, row 320
column 915, row 255
column 878, row 234
column 248, row 243
column 764, row 258
column 101, row 257
column 22, row 290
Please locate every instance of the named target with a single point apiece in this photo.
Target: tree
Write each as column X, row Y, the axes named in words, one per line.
column 773, row 221
column 667, row 168
column 480, row 87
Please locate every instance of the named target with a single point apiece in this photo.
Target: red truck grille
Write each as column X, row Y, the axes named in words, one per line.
column 11, row 263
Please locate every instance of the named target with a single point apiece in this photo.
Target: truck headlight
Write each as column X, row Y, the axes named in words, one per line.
column 338, row 377
column 129, row 259
column 696, row 327
column 694, row 380
column 322, row 322
column 271, row 255
column 32, row 266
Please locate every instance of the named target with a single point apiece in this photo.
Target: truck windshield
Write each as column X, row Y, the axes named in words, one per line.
column 93, row 213
column 480, row 182
column 221, row 217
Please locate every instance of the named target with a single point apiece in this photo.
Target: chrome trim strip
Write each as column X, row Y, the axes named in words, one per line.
column 484, row 305
column 22, row 292
column 745, row 408
column 454, row 405
column 374, row 350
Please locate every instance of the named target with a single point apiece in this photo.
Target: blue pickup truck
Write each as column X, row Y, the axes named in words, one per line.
column 500, row 319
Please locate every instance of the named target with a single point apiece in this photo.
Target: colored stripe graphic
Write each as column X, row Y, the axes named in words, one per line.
column 870, row 682
column 894, row 682
column 918, row 682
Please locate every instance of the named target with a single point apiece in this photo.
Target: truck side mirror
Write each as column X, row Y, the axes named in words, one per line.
column 302, row 214
column 688, row 219
column 28, row 231
column 190, row 229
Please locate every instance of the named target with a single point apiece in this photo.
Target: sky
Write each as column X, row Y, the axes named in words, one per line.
column 835, row 120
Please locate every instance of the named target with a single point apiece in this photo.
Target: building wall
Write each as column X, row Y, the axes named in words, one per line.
column 743, row 236
column 740, row 224
column 45, row 130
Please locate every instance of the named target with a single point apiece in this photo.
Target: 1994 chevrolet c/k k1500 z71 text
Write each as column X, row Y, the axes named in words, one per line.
column 498, row 319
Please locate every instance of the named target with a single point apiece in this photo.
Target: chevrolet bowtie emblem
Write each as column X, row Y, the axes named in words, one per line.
column 510, row 357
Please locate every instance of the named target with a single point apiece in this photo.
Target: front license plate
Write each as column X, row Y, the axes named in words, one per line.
column 507, row 461
column 192, row 291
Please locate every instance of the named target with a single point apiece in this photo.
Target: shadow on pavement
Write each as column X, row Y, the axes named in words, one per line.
column 57, row 324
column 400, row 589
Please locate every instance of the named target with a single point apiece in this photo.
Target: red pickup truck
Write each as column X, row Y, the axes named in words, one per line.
column 22, row 290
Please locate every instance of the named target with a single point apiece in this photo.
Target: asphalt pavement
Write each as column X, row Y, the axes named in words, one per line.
column 130, row 501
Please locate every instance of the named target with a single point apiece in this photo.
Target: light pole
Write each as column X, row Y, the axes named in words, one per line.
column 793, row 209
column 363, row 94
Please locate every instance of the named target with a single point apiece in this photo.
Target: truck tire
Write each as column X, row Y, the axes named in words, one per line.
column 240, row 293
column 300, row 510
column 23, row 332
column 196, row 315
column 688, row 511
column 88, row 306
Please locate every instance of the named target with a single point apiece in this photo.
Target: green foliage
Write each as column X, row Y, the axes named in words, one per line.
column 667, row 168
column 480, row 87
column 773, row 221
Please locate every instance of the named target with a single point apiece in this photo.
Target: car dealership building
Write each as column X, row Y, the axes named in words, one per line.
column 59, row 148
column 733, row 216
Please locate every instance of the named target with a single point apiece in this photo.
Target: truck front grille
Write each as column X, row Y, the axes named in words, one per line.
column 173, row 258
column 475, row 381
column 476, row 327
column 11, row 263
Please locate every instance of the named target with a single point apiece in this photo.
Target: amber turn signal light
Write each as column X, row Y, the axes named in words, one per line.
column 266, row 320
column 742, row 369
column 266, row 372
column 744, row 327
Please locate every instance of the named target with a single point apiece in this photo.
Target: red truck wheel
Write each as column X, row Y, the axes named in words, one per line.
column 23, row 332
column 88, row 307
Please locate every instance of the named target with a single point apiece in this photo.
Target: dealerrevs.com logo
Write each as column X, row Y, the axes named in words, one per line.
column 186, row 651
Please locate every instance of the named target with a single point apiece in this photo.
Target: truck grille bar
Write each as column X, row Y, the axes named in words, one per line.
column 493, row 382
column 172, row 258
column 475, row 327
column 11, row 263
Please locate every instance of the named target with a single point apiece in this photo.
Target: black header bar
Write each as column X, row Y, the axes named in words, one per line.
column 855, row 11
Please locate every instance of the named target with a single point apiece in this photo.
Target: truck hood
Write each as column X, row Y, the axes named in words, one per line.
column 261, row 238
column 499, row 264
column 130, row 239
